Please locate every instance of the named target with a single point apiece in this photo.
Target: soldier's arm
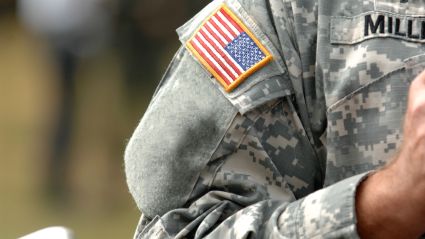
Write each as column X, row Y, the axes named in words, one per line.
column 207, row 163
column 198, row 168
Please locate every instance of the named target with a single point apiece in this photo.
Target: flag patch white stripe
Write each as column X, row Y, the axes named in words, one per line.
column 205, row 42
column 218, row 45
column 223, row 28
column 235, row 75
column 222, row 71
column 228, row 23
column 217, row 33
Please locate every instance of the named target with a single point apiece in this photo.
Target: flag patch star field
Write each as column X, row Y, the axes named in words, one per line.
column 226, row 47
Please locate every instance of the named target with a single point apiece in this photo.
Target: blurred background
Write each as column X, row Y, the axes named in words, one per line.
column 75, row 79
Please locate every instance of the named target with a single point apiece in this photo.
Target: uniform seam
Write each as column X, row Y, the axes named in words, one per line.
column 297, row 220
column 217, row 169
column 354, row 92
column 211, row 159
column 255, row 121
column 379, row 11
column 155, row 220
column 258, row 138
column 239, row 142
column 310, row 141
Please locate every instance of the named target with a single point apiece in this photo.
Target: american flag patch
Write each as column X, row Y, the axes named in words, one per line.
column 225, row 46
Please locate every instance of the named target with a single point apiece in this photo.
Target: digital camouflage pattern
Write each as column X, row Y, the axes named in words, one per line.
column 296, row 138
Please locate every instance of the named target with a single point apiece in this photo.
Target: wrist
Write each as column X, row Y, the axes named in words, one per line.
column 388, row 207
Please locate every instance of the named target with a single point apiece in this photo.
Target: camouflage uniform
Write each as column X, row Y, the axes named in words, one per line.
column 281, row 155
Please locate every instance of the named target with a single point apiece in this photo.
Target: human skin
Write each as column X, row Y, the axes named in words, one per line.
column 391, row 202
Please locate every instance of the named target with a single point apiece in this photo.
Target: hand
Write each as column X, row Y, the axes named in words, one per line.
column 391, row 202
column 411, row 160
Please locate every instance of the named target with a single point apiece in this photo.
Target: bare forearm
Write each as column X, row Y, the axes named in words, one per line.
column 385, row 208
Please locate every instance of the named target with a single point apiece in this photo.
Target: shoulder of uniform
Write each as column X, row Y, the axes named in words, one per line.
column 176, row 137
column 236, row 43
column 192, row 110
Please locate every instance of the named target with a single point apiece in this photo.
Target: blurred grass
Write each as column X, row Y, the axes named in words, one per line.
column 99, row 206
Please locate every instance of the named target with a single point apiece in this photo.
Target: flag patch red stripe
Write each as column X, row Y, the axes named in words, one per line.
column 219, row 61
column 210, row 63
column 226, row 26
column 220, row 31
column 222, row 53
column 231, row 20
column 209, row 29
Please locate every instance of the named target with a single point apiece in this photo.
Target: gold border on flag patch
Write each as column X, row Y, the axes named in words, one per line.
column 227, row 48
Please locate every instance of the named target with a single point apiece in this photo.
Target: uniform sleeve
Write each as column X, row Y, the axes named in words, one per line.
column 204, row 163
column 254, row 187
